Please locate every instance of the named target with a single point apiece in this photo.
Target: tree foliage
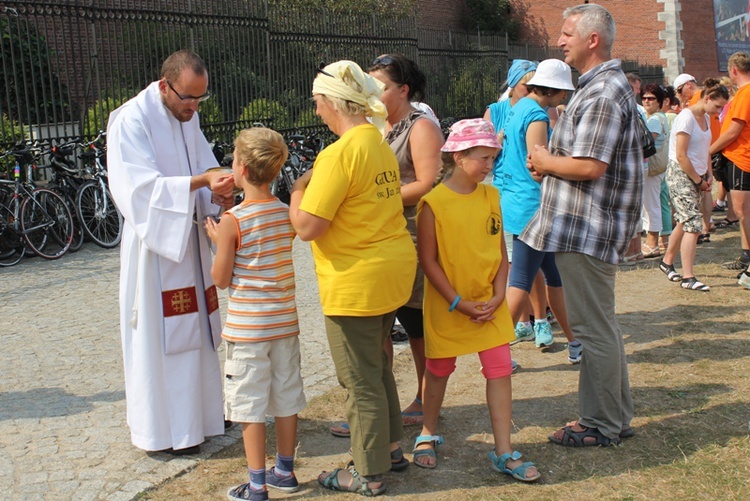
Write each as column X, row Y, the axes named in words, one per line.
column 391, row 7
column 29, row 75
column 98, row 114
column 491, row 15
column 270, row 113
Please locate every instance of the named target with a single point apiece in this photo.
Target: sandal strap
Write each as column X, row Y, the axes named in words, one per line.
column 435, row 440
column 515, row 456
column 694, row 284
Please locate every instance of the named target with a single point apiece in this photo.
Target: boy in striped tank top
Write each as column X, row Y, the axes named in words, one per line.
column 254, row 259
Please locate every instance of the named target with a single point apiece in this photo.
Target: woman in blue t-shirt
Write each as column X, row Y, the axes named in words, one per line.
column 528, row 125
column 520, row 72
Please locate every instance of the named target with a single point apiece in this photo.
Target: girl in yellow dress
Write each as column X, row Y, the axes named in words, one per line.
column 462, row 252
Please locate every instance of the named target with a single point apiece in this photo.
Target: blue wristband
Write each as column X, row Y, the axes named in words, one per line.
column 454, row 303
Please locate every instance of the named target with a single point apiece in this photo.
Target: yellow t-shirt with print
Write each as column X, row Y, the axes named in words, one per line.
column 469, row 232
column 366, row 260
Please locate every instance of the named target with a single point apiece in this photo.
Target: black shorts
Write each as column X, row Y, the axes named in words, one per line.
column 739, row 180
column 720, row 166
column 411, row 321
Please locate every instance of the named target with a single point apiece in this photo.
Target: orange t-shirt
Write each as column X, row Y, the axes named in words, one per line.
column 715, row 122
column 738, row 151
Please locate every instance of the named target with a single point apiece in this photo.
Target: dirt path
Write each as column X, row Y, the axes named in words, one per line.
column 689, row 356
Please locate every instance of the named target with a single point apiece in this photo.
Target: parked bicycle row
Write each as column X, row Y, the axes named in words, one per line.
column 52, row 208
column 53, row 198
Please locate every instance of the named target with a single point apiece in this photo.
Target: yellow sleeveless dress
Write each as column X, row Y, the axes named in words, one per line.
column 469, row 230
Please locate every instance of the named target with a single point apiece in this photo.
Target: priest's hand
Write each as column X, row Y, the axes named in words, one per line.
column 221, row 183
column 226, row 202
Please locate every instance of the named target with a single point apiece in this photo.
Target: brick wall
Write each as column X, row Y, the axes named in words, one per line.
column 443, row 14
column 636, row 21
column 698, row 34
column 638, row 25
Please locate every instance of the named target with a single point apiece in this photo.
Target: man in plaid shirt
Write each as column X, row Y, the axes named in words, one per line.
column 591, row 203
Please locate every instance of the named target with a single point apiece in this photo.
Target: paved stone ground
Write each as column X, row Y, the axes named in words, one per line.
column 63, row 433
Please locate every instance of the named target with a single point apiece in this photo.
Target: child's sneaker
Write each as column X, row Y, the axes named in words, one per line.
column 524, row 332
column 575, row 353
column 286, row 484
column 243, row 492
column 543, row 334
column 513, row 366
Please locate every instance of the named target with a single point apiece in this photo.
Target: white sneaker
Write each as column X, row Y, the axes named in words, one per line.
column 744, row 280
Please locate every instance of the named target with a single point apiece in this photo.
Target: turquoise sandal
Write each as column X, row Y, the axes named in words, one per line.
column 435, row 440
column 519, row 472
column 358, row 485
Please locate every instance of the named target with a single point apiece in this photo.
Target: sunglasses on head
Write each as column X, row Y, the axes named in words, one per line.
column 320, row 69
column 383, row 61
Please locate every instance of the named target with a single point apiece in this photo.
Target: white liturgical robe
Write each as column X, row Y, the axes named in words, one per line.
column 169, row 318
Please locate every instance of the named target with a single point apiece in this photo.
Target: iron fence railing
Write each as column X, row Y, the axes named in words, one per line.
column 65, row 64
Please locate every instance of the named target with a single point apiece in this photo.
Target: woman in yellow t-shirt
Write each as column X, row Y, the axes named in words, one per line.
column 461, row 249
column 349, row 206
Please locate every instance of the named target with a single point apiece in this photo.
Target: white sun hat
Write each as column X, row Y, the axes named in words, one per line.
column 553, row 74
column 682, row 79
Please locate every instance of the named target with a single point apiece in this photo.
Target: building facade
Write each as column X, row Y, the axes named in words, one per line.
column 678, row 35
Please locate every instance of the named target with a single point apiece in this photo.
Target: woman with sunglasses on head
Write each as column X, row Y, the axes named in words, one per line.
column 416, row 140
column 652, row 97
column 349, row 206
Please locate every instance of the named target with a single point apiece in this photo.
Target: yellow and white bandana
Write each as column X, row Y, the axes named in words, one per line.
column 342, row 79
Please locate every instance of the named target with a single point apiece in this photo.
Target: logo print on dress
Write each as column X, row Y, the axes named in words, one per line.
column 494, row 224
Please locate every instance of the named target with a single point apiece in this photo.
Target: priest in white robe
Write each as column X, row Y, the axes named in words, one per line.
column 169, row 319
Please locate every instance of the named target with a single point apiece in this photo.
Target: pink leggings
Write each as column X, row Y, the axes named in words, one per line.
column 495, row 363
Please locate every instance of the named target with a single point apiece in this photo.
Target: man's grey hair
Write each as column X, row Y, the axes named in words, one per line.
column 594, row 19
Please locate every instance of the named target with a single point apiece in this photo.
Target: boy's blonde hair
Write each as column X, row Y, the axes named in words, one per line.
column 262, row 151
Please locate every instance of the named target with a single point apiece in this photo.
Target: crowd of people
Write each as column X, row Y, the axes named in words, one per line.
column 698, row 134
column 402, row 226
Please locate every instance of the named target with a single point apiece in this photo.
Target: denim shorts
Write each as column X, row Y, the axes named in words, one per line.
column 526, row 264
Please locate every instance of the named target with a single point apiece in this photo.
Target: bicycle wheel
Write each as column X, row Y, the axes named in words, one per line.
column 99, row 217
column 78, row 234
column 12, row 246
column 46, row 223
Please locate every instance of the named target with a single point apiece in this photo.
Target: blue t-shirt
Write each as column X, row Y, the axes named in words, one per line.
column 519, row 193
column 498, row 116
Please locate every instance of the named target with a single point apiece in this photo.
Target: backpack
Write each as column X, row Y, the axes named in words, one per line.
column 657, row 164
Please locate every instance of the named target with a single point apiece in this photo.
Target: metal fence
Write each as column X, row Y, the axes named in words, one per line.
column 66, row 64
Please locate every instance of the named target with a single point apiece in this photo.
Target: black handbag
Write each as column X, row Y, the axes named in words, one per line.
column 647, row 138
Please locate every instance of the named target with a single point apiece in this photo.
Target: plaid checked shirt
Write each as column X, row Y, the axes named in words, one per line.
column 597, row 218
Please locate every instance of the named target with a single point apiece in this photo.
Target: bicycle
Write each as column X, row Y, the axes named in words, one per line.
column 66, row 180
column 302, row 153
column 99, row 216
column 33, row 217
